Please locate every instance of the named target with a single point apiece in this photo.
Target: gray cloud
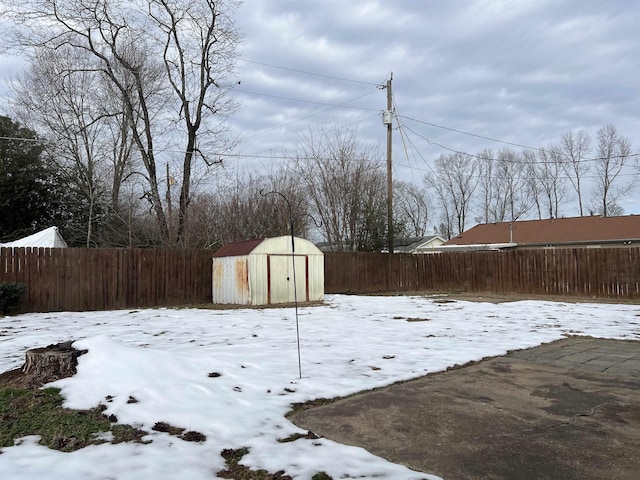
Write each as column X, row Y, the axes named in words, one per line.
column 523, row 71
column 520, row 71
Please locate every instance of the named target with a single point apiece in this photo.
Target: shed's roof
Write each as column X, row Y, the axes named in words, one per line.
column 237, row 249
column 554, row 231
column 274, row 245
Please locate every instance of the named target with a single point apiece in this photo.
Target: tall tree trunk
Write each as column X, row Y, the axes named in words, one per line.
column 185, row 191
column 157, row 206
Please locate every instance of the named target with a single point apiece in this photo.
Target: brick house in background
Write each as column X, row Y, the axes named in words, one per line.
column 585, row 232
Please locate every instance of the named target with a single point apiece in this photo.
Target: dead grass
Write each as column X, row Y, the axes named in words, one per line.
column 40, row 412
column 240, row 472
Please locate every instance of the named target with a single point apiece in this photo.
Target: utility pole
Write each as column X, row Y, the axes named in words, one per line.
column 388, row 121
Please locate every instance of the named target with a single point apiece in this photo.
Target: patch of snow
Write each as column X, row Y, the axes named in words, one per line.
column 163, row 358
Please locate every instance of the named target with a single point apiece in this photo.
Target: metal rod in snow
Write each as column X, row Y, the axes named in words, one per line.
column 293, row 262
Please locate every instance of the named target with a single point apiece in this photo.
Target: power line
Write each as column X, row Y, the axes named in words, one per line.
column 494, row 177
column 379, row 85
column 597, row 159
column 419, row 154
column 430, row 170
column 308, row 116
column 280, row 157
column 431, row 142
column 308, row 73
column 402, row 137
column 473, row 134
column 308, row 101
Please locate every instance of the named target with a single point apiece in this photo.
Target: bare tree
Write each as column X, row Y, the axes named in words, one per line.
column 487, row 185
column 454, row 181
column 345, row 183
column 504, row 190
column 199, row 53
column 88, row 134
column 412, row 206
column 243, row 209
column 613, row 155
column 535, row 188
column 443, row 195
column 170, row 62
column 575, row 146
column 546, row 179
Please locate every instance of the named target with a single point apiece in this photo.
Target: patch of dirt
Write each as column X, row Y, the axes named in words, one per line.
column 167, row 428
column 127, row 433
column 240, row 472
column 443, row 297
column 490, row 297
column 190, row 436
column 297, row 436
column 236, row 471
column 318, row 402
column 15, row 379
column 218, row 306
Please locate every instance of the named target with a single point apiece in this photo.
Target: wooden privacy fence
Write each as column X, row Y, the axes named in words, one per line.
column 80, row 279
column 604, row 272
column 100, row 279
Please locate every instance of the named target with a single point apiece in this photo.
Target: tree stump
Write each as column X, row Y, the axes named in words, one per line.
column 51, row 363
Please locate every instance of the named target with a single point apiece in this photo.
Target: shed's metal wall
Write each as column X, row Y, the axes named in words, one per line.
column 231, row 280
column 271, row 278
column 258, row 279
column 316, row 277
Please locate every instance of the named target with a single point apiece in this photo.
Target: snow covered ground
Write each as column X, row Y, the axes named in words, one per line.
column 163, row 358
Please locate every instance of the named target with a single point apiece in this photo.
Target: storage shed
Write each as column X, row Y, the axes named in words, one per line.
column 260, row 272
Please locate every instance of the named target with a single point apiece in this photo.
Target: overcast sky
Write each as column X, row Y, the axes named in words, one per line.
column 521, row 71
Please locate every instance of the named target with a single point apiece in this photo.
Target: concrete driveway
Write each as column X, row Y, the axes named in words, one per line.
column 565, row 410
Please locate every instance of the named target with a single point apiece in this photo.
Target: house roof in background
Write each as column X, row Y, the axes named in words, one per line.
column 408, row 244
column 237, row 249
column 553, row 231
